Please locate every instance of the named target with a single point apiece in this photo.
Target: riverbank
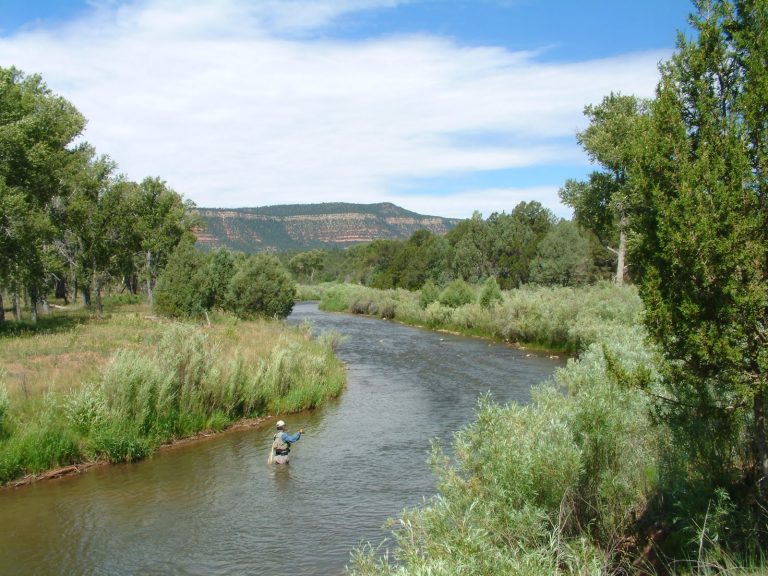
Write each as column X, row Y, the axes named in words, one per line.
column 560, row 320
column 576, row 483
column 123, row 385
column 82, row 467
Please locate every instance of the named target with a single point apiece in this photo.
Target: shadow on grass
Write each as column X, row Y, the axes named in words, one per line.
column 52, row 323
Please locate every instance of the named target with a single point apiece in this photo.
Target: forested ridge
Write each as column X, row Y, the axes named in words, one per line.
column 296, row 227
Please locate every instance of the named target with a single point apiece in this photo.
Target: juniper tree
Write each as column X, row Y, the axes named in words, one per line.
column 701, row 249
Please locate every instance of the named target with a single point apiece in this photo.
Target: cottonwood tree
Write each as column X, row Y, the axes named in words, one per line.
column 600, row 204
column 307, row 264
column 93, row 221
column 36, row 129
column 164, row 220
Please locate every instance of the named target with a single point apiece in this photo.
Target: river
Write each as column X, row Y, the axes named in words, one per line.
column 215, row 507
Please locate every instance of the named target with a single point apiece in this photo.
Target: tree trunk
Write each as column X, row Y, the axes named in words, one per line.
column 16, row 307
column 149, row 278
column 44, row 309
column 621, row 252
column 61, row 290
column 97, row 287
column 761, row 449
column 99, row 305
column 2, row 308
column 86, row 296
column 71, row 283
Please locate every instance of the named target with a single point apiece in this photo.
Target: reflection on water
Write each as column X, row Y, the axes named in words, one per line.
column 216, row 507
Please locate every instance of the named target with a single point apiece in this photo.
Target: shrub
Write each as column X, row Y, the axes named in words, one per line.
column 429, row 293
column 388, row 311
column 182, row 288
column 568, row 318
column 491, row 293
column 456, row 294
column 261, row 287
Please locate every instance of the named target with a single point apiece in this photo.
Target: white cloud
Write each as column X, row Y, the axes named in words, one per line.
column 227, row 101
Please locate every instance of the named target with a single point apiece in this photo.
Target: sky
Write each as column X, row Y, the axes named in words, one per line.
column 443, row 107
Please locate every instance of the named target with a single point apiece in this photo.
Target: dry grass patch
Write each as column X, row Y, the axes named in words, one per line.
column 70, row 347
column 73, row 346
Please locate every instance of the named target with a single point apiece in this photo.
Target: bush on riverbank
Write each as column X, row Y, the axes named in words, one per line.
column 194, row 380
column 562, row 318
column 552, row 487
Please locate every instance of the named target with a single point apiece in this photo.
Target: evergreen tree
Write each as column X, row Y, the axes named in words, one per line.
column 701, row 250
column 491, row 293
column 261, row 287
column 563, row 257
column 182, row 289
column 221, row 267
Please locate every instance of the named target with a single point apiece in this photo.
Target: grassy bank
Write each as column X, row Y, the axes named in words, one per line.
column 81, row 388
column 567, row 319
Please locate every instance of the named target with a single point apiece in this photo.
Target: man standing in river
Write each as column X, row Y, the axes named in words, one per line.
column 281, row 445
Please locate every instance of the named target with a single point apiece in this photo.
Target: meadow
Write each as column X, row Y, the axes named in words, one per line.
column 80, row 387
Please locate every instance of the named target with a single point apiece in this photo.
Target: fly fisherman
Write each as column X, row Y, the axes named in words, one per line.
column 281, row 445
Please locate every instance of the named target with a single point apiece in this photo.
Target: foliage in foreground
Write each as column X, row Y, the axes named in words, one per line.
column 683, row 177
column 547, row 488
column 568, row 484
column 140, row 402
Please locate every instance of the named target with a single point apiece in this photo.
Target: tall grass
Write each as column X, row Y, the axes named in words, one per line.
column 191, row 380
column 567, row 319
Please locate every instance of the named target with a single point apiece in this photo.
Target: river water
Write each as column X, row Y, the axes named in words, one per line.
column 215, row 507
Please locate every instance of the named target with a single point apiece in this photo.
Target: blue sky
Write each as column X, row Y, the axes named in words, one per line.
column 441, row 106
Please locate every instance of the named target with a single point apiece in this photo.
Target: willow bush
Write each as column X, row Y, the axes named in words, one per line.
column 563, row 318
column 547, row 488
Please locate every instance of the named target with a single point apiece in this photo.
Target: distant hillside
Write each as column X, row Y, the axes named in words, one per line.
column 308, row 226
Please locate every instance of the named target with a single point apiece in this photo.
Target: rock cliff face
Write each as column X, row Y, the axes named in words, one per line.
column 308, row 226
